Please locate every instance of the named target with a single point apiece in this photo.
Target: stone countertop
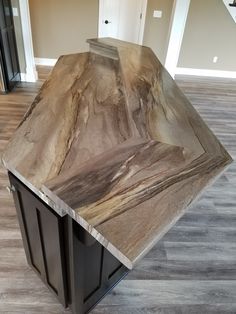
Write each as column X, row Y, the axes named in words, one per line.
column 113, row 142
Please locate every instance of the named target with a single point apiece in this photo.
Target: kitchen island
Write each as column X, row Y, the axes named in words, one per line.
column 105, row 161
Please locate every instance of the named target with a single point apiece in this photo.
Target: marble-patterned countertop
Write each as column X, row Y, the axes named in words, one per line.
column 113, row 142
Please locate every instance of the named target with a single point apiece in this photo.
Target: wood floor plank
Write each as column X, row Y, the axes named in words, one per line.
column 201, row 251
column 155, row 269
column 201, row 234
column 19, row 308
column 144, row 293
column 208, row 220
column 166, row 309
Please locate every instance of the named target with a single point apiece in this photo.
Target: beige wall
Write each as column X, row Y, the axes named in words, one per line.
column 157, row 29
column 62, row 26
column 210, row 31
column 19, row 37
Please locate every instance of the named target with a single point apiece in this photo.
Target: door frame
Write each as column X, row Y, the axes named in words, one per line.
column 176, row 32
column 143, row 20
column 31, row 74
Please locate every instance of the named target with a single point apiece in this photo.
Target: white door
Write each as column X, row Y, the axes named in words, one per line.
column 122, row 19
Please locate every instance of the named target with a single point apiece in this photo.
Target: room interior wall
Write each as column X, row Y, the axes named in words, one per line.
column 210, row 32
column 61, row 27
column 157, row 29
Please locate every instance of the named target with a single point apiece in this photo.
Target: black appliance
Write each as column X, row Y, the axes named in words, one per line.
column 9, row 63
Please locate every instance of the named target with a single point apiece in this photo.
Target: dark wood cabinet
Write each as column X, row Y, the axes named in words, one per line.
column 73, row 265
column 42, row 233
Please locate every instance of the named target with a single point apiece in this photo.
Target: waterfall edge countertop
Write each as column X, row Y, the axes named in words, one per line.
column 113, row 142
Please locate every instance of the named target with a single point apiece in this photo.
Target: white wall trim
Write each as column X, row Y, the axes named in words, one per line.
column 27, row 77
column 45, row 61
column 204, row 72
column 31, row 74
column 23, row 77
column 143, row 21
column 176, row 33
column 100, row 16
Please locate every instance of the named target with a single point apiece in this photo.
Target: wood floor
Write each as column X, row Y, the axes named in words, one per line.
column 191, row 270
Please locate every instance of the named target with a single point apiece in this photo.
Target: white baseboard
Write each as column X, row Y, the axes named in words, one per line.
column 45, row 61
column 29, row 77
column 203, row 72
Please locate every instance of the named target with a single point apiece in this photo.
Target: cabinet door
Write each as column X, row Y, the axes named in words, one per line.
column 43, row 237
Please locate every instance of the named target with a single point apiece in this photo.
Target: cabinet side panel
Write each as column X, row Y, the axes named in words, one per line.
column 29, row 215
column 43, row 237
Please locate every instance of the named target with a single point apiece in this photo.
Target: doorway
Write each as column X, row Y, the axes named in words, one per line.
column 122, row 19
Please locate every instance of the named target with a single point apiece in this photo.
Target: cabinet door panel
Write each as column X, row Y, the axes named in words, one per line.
column 7, row 55
column 2, row 17
column 7, row 12
column 8, row 46
column 52, row 248
column 14, row 57
column 31, row 225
